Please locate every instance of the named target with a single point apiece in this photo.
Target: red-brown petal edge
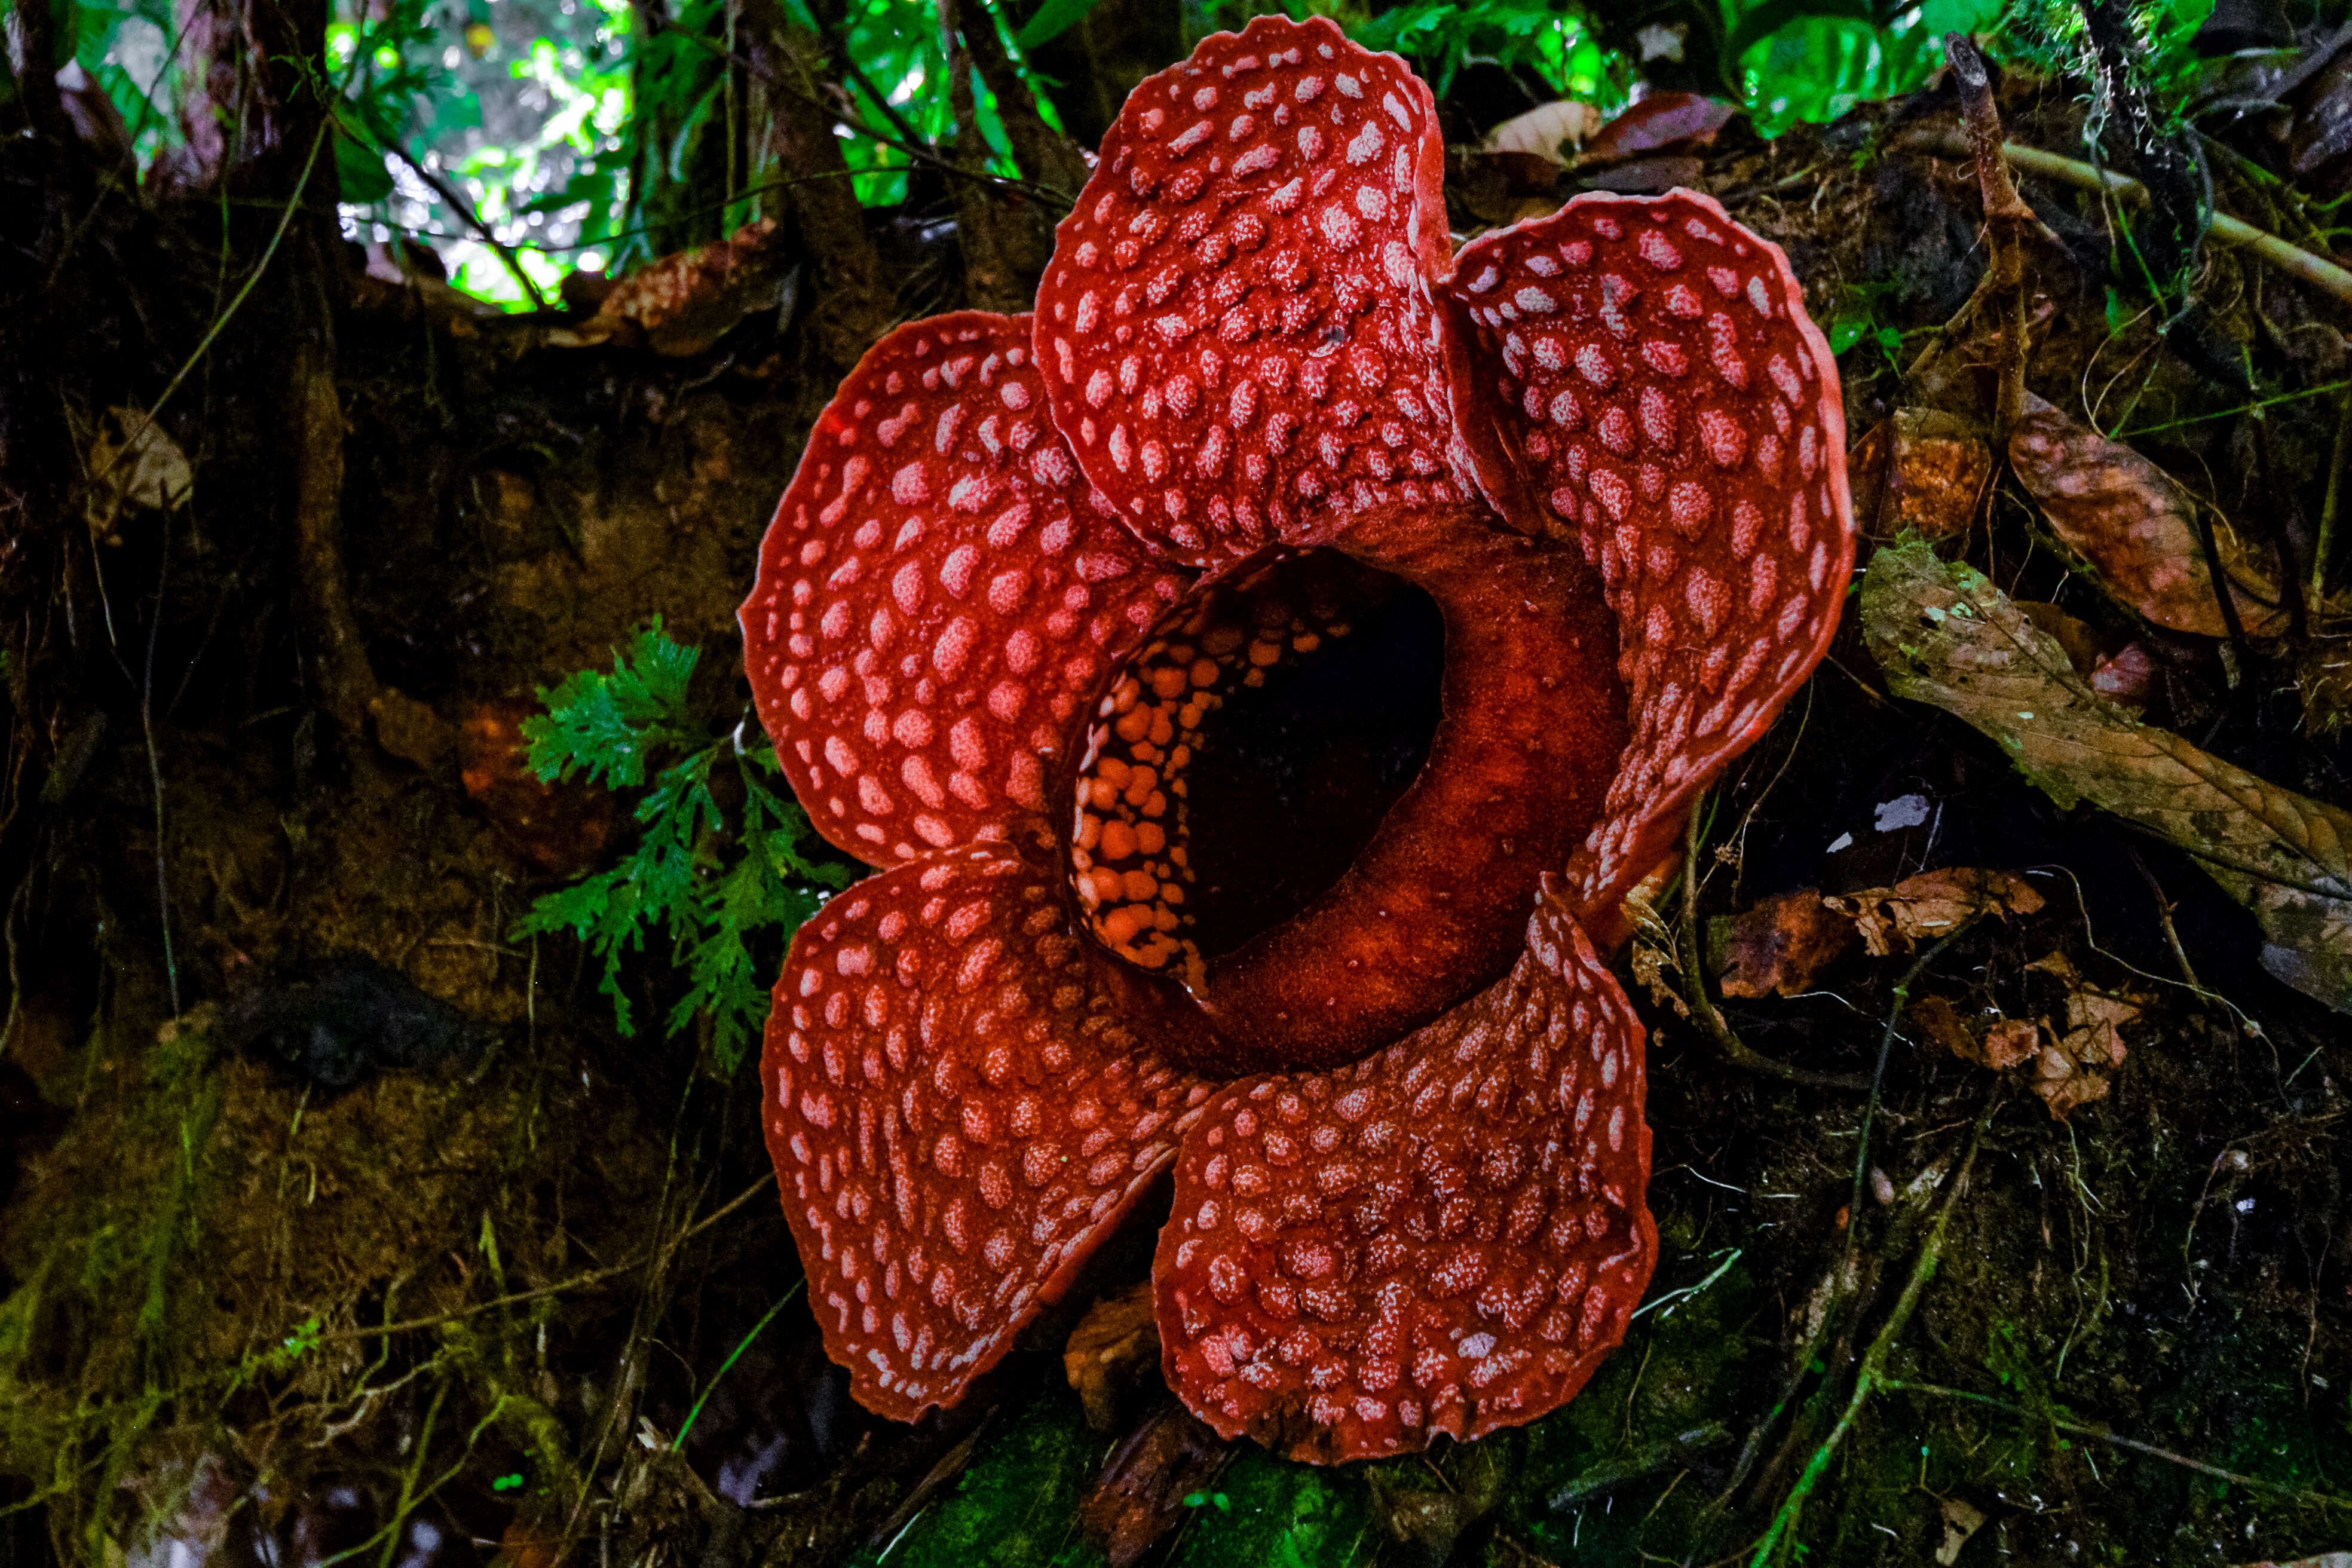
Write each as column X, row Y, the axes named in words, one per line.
column 1448, row 1237
column 1639, row 374
column 1239, row 327
column 957, row 1118
column 937, row 597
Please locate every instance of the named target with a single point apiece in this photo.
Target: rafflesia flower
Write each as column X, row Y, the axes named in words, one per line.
column 1047, row 629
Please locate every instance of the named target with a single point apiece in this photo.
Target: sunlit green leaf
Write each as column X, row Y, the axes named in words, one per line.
column 593, row 185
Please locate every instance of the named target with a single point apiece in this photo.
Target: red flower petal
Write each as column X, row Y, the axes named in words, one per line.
column 1644, row 380
column 1448, row 1237
column 937, row 597
column 1238, row 326
column 956, row 1116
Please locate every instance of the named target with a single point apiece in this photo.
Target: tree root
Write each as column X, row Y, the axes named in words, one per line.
column 2009, row 222
column 1873, row 1373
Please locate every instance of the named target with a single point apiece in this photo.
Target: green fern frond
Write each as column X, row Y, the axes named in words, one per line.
column 726, row 899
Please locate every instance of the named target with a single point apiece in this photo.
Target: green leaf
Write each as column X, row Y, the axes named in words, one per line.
column 1759, row 22
column 92, row 34
column 360, row 171
column 1053, row 19
column 726, row 904
column 592, row 183
column 1267, row 1512
column 604, row 909
column 1536, row 36
column 1017, row 1506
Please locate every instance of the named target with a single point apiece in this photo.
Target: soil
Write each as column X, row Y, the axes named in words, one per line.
column 339, row 1225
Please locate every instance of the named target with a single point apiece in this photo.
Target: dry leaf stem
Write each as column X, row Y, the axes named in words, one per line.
column 2164, row 919
column 2100, row 1433
column 2007, row 223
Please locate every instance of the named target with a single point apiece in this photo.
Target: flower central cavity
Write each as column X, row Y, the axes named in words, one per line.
column 1319, row 796
column 1246, row 754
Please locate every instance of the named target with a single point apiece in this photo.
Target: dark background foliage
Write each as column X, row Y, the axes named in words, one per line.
column 347, row 1219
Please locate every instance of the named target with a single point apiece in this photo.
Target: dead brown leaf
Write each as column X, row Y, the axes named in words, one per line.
column 1781, row 945
column 2076, row 1063
column 1962, row 1519
column 1930, row 905
column 1641, row 176
column 2081, row 643
column 2069, row 1063
column 1919, row 470
column 561, row 828
column 1946, row 635
column 1986, row 1039
column 2134, row 524
column 685, row 303
column 1113, row 1349
column 149, row 472
column 1679, row 120
column 2125, row 679
column 1552, row 132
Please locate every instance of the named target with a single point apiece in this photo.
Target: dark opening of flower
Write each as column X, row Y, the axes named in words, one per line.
column 1427, row 904
column 1251, row 747
column 1218, row 668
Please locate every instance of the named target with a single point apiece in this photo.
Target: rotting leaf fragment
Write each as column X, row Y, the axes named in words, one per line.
column 2075, row 1062
column 1781, row 945
column 2070, row 1053
column 1931, row 905
column 1114, row 1347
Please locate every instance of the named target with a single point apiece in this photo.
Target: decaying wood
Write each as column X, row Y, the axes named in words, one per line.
column 999, row 245
column 858, row 304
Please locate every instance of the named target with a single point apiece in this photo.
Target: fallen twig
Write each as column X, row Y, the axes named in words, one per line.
column 2318, row 272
